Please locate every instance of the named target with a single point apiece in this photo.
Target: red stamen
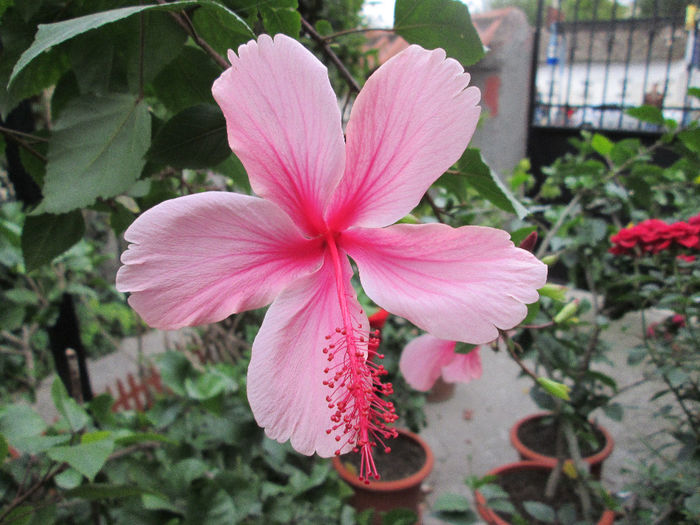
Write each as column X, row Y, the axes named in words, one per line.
column 361, row 415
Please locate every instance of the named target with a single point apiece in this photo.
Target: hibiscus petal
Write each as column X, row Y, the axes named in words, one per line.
column 286, row 372
column 462, row 368
column 198, row 259
column 422, row 360
column 284, row 124
column 411, row 122
column 460, row 284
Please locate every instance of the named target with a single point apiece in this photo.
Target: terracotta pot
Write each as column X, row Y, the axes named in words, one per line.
column 492, row 518
column 595, row 461
column 383, row 496
column 441, row 391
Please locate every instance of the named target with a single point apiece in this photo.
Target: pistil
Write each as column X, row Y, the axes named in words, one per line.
column 360, row 415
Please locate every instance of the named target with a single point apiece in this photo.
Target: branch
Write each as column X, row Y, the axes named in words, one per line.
column 331, row 55
column 184, row 21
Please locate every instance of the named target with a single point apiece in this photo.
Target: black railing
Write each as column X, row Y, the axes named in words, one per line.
column 590, row 66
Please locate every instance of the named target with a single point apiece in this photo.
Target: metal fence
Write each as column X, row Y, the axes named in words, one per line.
column 594, row 60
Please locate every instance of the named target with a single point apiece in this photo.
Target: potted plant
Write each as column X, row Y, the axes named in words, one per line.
column 517, row 497
column 404, row 469
column 534, row 436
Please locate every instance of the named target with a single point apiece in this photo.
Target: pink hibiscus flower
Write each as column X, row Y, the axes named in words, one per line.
column 426, row 358
column 200, row 258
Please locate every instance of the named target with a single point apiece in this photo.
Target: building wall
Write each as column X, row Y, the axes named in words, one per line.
column 503, row 77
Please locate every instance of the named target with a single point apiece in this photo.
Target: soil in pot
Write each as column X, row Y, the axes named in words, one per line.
column 529, row 485
column 539, row 434
column 406, row 458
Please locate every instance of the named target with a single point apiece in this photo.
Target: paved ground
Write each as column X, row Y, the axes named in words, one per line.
column 468, row 433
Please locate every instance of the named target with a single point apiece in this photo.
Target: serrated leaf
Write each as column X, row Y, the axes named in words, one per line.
column 614, row 411
column 480, row 176
column 194, row 138
column 75, row 415
column 647, row 113
column 602, row 144
column 98, row 491
column 86, row 458
column 46, row 236
column 22, row 296
column 540, row 511
column 221, row 28
column 691, row 139
column 18, row 422
column 439, row 23
column 399, row 517
column 96, row 150
column 4, row 448
column 451, row 503
column 281, row 17
column 187, row 80
column 69, row 479
column 50, row 35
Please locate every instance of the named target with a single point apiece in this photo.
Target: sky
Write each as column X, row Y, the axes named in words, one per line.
column 380, row 13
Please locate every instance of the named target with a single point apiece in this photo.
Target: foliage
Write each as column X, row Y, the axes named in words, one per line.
column 31, row 299
column 196, row 456
column 586, row 198
column 666, row 275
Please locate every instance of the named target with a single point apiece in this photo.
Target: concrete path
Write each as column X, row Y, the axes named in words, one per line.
column 469, row 433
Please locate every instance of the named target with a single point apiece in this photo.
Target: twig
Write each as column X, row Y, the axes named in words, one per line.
column 184, row 21
column 356, row 30
column 439, row 215
column 512, row 347
column 555, row 229
column 331, row 55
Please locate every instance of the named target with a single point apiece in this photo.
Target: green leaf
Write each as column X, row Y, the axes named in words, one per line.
column 37, row 444
column 647, row 113
column 97, row 150
column 49, row 35
column 602, row 144
column 187, row 80
column 86, row 458
column 451, row 503
column 464, row 348
column 155, row 502
column 478, row 174
column 99, row 491
column 439, row 23
column 399, row 517
column 142, row 437
column 614, row 411
column 47, row 236
column 18, row 422
column 20, row 516
column 75, row 415
column 221, row 28
column 69, row 479
column 22, row 296
column 175, row 368
column 694, row 92
column 194, row 138
column 691, row 139
column 540, row 511
column 281, row 17
column 4, row 449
